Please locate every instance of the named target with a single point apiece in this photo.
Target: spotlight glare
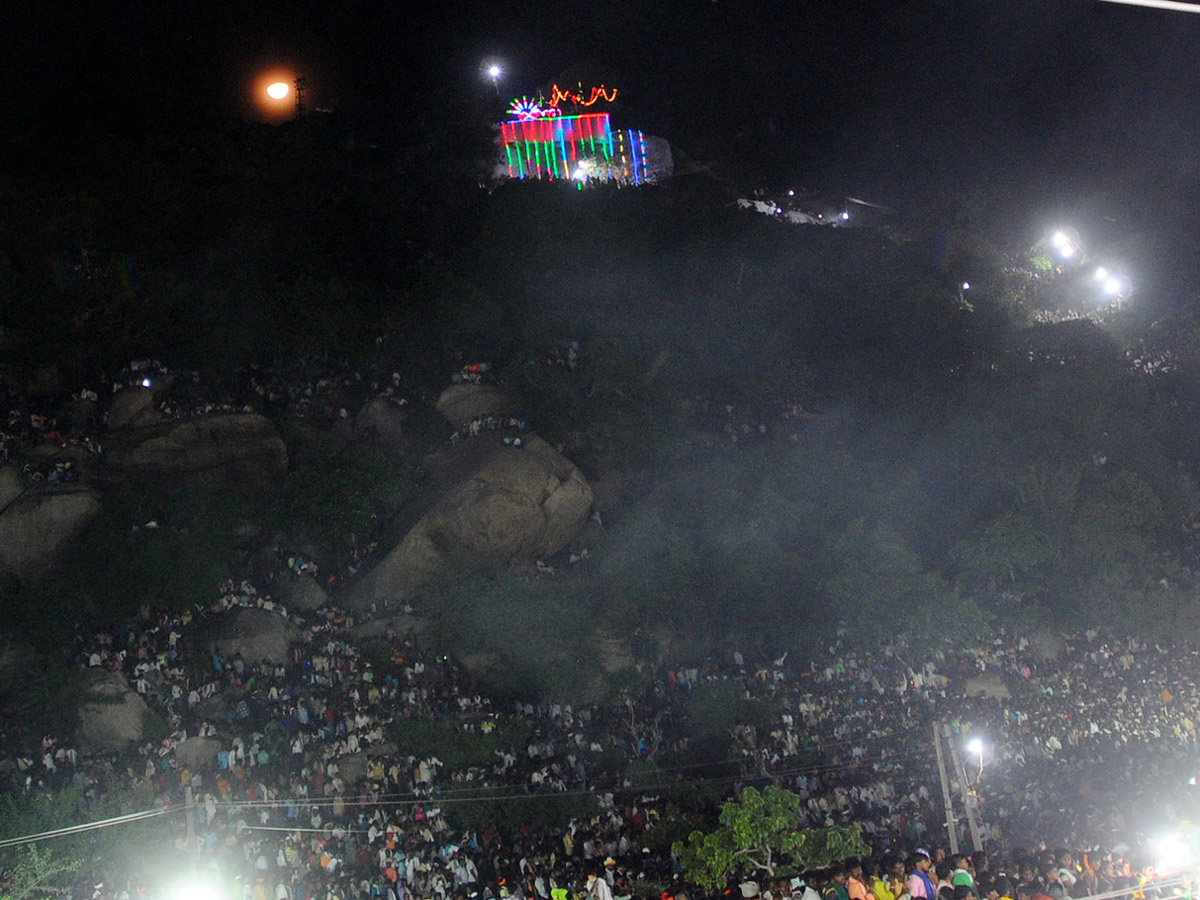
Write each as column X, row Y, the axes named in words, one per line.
column 278, row 90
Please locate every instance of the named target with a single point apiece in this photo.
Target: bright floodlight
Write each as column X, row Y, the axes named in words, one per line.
column 845, row 215
column 1172, row 853
column 966, row 286
column 494, row 71
column 195, row 890
column 1101, row 273
column 1060, row 240
column 277, row 91
column 1112, row 286
column 975, row 745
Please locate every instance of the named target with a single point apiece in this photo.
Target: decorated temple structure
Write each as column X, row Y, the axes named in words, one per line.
column 541, row 141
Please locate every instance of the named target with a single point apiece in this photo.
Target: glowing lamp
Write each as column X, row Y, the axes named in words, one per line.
column 494, row 71
column 1060, row 240
column 975, row 745
column 966, row 286
column 1101, row 273
column 277, row 91
column 1112, row 286
column 145, row 382
column 845, row 216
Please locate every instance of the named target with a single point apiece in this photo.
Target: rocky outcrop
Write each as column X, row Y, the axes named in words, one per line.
column 196, row 752
column 500, row 504
column 235, row 446
column 133, row 408
column 12, row 485
column 37, row 526
column 257, row 634
column 986, row 686
column 382, row 422
column 461, row 403
column 113, row 716
column 300, row 593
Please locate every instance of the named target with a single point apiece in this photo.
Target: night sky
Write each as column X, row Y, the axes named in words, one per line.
column 882, row 97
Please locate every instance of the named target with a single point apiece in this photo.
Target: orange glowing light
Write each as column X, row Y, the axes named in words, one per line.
column 278, row 90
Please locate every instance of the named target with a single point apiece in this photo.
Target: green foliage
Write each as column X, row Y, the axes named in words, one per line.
column 45, row 697
column 454, row 747
column 349, row 492
column 716, row 706
column 119, row 563
column 1003, row 553
column 759, row 834
column 39, row 870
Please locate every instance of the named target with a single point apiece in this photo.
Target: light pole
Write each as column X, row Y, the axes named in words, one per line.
column 970, row 798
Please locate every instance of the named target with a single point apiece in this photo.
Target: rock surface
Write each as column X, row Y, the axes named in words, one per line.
column 300, row 593
column 114, row 716
column 37, row 526
column 198, row 751
column 243, row 446
column 499, row 504
column 461, row 403
column 12, row 485
column 133, row 408
column 382, row 421
column 986, row 686
column 257, row 634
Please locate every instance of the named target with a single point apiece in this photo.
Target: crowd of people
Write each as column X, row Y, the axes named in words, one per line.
column 354, row 769
column 317, row 776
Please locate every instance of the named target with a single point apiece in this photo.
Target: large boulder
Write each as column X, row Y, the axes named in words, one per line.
column 12, row 485
column 496, row 505
column 461, row 403
column 133, row 408
column 197, row 752
column 257, row 634
column 113, row 716
column 37, row 526
column 987, row 685
column 235, row 446
column 300, row 593
column 382, row 420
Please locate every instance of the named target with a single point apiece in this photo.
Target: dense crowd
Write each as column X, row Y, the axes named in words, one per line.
column 308, row 786
column 315, row 776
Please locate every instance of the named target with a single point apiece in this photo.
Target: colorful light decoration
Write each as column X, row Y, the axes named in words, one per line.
column 580, row 148
column 553, row 147
column 527, row 110
column 558, row 95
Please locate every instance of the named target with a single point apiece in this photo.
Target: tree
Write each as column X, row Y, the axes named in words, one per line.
column 759, row 834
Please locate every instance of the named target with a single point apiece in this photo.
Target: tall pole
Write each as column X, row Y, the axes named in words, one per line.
column 193, row 846
column 968, row 794
column 949, row 804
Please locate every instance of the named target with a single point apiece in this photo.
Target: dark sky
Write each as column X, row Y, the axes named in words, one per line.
column 880, row 91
